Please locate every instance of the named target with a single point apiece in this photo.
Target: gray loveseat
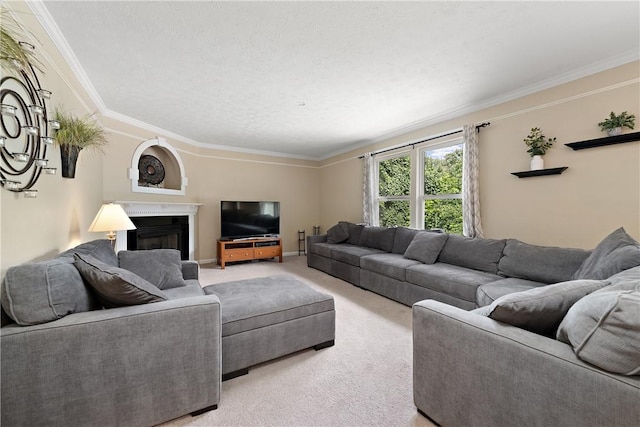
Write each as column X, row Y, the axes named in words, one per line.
column 409, row 265
column 66, row 361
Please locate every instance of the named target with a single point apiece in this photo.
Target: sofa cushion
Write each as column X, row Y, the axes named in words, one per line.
column 160, row 267
column 402, row 239
column 544, row 264
column 378, row 238
column 488, row 293
column 116, row 286
column 426, row 246
column 540, row 310
column 626, row 280
column 324, row 249
column 355, row 231
column 458, row 282
column 617, row 252
column 604, row 330
column 338, row 233
column 475, row 253
column 390, row 265
column 100, row 249
column 192, row 288
column 41, row 292
column 351, row 254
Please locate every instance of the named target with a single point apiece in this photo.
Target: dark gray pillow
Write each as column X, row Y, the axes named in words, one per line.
column 475, row 253
column 604, row 330
column 403, row 239
column 116, row 286
column 355, row 231
column 378, row 238
column 41, row 292
column 546, row 264
column 617, row 252
column 160, row 267
column 338, row 233
column 540, row 310
column 426, row 246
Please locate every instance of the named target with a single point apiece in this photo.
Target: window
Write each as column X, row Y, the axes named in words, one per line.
column 421, row 188
column 394, row 190
column 441, row 195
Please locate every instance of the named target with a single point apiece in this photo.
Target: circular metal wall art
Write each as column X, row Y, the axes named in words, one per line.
column 151, row 170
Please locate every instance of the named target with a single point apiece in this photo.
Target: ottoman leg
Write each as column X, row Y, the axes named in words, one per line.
column 324, row 345
column 235, row 374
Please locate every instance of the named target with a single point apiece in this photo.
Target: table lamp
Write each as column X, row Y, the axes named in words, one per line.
column 111, row 218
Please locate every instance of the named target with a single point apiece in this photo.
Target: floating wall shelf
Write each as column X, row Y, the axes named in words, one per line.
column 540, row 172
column 607, row 140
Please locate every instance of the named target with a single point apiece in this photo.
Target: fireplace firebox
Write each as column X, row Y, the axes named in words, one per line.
column 160, row 232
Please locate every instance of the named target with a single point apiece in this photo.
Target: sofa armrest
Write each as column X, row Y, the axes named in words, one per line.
column 318, row 238
column 471, row 370
column 190, row 270
column 141, row 365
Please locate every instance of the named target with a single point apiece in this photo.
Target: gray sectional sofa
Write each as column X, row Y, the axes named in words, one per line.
column 66, row 362
column 95, row 338
column 410, row 265
column 506, row 333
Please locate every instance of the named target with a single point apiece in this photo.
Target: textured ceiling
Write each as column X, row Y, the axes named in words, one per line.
column 312, row 79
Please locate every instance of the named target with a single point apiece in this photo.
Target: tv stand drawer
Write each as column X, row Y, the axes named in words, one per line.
column 267, row 252
column 237, row 254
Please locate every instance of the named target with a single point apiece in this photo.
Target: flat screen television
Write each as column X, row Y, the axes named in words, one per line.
column 241, row 220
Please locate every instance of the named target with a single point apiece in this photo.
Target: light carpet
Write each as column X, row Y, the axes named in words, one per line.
column 364, row 380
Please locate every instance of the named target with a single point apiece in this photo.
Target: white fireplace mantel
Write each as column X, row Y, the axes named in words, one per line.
column 142, row 209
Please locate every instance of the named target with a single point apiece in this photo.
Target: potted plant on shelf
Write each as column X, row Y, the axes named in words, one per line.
column 75, row 134
column 614, row 123
column 538, row 145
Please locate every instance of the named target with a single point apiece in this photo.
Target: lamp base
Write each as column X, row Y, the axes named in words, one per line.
column 111, row 236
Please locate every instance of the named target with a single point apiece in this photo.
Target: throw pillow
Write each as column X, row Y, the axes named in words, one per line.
column 540, row 310
column 604, row 330
column 617, row 252
column 116, row 286
column 355, row 231
column 426, row 246
column 338, row 233
column 160, row 267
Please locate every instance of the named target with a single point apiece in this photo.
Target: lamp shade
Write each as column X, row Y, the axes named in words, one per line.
column 111, row 217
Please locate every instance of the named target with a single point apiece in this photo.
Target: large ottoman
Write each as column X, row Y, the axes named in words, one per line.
column 269, row 317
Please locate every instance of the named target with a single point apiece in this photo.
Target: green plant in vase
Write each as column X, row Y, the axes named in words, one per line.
column 538, row 144
column 74, row 135
column 614, row 123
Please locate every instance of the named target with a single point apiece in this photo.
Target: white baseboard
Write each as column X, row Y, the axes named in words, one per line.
column 215, row 260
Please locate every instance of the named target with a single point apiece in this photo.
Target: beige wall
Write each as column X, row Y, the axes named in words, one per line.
column 61, row 214
column 598, row 193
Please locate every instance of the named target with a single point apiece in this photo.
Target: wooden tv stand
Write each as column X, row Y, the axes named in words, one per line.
column 248, row 249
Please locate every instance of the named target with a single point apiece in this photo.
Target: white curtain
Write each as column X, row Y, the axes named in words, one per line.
column 368, row 196
column 471, row 225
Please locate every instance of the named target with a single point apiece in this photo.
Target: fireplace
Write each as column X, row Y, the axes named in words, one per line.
column 160, row 232
column 162, row 229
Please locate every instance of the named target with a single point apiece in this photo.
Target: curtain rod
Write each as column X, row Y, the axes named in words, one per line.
column 412, row 144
